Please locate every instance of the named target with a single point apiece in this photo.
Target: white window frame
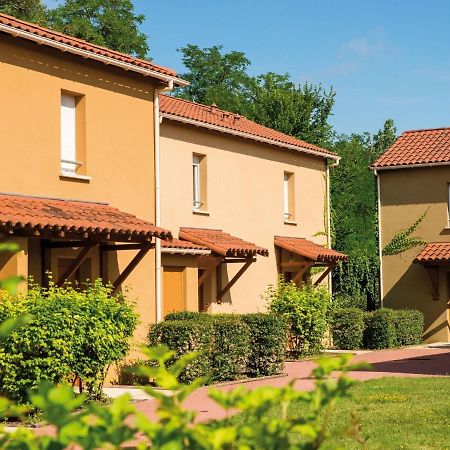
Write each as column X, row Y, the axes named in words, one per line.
column 69, row 163
column 287, row 212
column 197, row 203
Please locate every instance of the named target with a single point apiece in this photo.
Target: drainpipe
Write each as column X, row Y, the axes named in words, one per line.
column 380, row 254
column 158, row 265
column 336, row 163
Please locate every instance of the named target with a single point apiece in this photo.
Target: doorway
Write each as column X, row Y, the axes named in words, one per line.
column 173, row 290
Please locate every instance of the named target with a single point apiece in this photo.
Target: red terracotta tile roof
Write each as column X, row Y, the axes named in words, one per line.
column 179, row 109
column 309, row 249
column 37, row 215
column 221, row 243
column 11, row 25
column 417, row 147
column 434, row 252
column 182, row 245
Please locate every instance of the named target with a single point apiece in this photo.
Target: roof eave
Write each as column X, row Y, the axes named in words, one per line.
column 409, row 166
column 13, row 31
column 248, row 136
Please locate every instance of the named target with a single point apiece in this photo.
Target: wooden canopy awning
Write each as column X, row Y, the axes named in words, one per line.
column 310, row 253
column 58, row 218
column 77, row 224
column 433, row 255
column 225, row 249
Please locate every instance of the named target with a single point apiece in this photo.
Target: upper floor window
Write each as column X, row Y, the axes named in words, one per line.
column 289, row 194
column 72, row 134
column 199, row 182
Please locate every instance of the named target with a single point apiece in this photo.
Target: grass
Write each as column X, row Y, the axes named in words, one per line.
column 392, row 413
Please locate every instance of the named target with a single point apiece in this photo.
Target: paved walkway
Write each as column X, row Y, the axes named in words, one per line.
column 410, row 362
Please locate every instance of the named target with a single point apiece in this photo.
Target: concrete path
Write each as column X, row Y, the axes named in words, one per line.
column 409, row 362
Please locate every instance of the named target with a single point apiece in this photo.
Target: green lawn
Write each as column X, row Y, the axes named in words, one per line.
column 394, row 413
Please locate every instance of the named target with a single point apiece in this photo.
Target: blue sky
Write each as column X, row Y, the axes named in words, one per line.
column 383, row 58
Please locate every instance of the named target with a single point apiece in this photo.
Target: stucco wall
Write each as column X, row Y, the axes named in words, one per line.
column 119, row 140
column 245, row 199
column 405, row 195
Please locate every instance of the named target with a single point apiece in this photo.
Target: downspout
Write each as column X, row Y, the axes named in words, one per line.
column 380, row 252
column 158, row 265
column 336, row 163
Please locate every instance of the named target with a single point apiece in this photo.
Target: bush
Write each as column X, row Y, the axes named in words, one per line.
column 72, row 334
column 231, row 347
column 184, row 336
column 347, row 328
column 306, row 312
column 342, row 301
column 268, row 335
column 187, row 315
column 380, row 330
column 408, row 326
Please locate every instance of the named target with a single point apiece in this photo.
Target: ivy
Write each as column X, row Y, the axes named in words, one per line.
column 403, row 240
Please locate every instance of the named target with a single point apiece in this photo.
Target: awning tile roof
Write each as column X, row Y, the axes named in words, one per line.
column 182, row 245
column 39, row 213
column 434, row 252
column 82, row 45
column 221, row 243
column 417, row 147
column 309, row 249
column 212, row 115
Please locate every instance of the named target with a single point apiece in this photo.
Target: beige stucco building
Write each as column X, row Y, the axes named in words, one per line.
column 77, row 145
column 233, row 190
column 413, row 179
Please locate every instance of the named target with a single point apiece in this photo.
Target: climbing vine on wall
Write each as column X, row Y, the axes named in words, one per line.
column 403, row 240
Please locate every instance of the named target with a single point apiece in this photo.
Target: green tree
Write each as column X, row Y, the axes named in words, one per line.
column 31, row 10
column 270, row 99
column 113, row 24
column 354, row 213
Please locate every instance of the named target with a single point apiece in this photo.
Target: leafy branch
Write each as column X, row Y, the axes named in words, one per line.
column 403, row 240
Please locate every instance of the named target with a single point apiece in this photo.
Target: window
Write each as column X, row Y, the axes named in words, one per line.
column 199, row 182
column 289, row 200
column 72, row 134
column 448, row 204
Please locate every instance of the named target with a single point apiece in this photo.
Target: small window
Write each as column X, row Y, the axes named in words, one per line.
column 72, row 134
column 289, row 200
column 199, row 182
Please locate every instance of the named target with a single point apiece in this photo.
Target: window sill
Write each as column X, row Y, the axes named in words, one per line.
column 290, row 222
column 74, row 176
column 200, row 212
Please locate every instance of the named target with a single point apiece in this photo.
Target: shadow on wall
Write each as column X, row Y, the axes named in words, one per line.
column 414, row 291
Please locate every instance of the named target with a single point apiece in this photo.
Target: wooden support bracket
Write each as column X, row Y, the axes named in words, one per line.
column 324, row 274
column 144, row 248
column 231, row 283
column 433, row 274
column 76, row 263
column 299, row 275
column 208, row 271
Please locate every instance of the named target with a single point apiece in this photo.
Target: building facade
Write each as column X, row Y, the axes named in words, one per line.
column 247, row 203
column 413, row 180
column 77, row 183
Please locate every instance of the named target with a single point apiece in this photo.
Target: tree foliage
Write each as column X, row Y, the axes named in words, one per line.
column 113, row 24
column 354, row 213
column 31, row 10
column 270, row 99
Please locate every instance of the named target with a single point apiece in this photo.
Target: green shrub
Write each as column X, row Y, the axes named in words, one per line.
column 350, row 301
column 408, row 326
column 306, row 311
column 72, row 333
column 268, row 335
column 184, row 336
column 347, row 328
column 187, row 315
column 380, row 331
column 231, row 347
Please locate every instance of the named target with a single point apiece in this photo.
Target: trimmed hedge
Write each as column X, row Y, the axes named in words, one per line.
column 268, row 338
column 384, row 328
column 232, row 345
column 347, row 328
column 409, row 327
column 184, row 336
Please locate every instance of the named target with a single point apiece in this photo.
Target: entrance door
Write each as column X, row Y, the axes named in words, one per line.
column 173, row 290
